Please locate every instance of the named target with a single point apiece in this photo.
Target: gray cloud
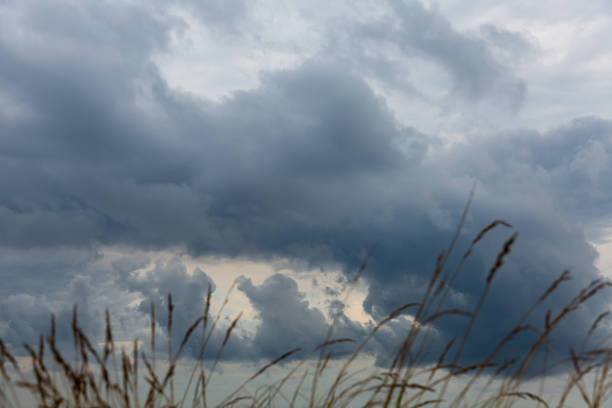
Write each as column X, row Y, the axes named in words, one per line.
column 509, row 47
column 169, row 277
column 42, row 271
column 480, row 67
column 286, row 320
column 310, row 166
column 224, row 16
column 468, row 60
column 26, row 317
column 189, row 291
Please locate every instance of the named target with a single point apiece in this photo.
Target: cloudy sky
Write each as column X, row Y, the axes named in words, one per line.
column 149, row 147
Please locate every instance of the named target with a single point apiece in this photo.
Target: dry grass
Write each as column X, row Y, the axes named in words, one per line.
column 108, row 378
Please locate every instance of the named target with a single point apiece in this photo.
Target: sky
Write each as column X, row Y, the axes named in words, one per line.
column 149, row 147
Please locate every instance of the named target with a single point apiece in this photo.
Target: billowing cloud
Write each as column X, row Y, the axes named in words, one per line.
column 287, row 320
column 312, row 165
column 26, row 317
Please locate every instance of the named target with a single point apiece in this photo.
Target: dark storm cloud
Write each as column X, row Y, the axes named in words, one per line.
column 571, row 161
column 309, row 166
column 41, row 271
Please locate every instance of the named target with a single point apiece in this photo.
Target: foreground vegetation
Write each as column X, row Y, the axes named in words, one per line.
column 106, row 377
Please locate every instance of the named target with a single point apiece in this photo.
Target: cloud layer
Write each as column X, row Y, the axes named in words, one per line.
column 312, row 166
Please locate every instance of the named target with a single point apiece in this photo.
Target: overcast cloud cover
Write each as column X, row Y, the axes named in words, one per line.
column 307, row 133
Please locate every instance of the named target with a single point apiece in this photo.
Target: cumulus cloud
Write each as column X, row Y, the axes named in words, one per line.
column 312, row 165
column 168, row 277
column 26, row 317
column 153, row 282
column 287, row 320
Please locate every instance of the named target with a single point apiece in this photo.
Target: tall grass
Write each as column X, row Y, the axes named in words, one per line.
column 107, row 377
